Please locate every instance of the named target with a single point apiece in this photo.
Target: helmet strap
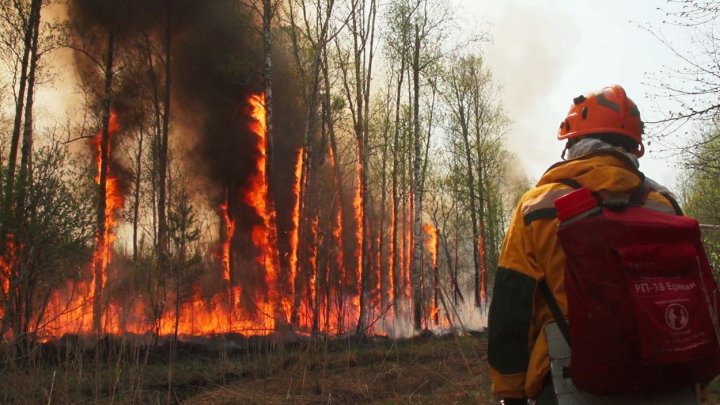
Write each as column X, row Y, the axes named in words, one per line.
column 562, row 155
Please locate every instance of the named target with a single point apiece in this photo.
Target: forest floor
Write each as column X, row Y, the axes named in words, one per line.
column 426, row 370
column 236, row 370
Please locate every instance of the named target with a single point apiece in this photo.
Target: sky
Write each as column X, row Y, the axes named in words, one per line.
column 546, row 53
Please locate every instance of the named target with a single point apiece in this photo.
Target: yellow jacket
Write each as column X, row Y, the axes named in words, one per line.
column 517, row 350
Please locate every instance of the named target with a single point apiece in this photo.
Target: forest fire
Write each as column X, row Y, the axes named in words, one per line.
column 431, row 244
column 228, row 225
column 295, row 229
column 8, row 263
column 71, row 308
column 264, row 235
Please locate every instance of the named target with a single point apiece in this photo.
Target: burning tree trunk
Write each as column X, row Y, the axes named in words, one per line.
column 431, row 242
column 363, row 247
column 100, row 259
column 294, row 233
column 340, row 220
column 357, row 89
column 311, row 89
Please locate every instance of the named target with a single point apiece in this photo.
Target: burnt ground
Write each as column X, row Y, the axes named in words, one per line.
column 261, row 370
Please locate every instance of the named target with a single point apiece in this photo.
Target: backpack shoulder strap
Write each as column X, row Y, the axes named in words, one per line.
column 543, row 208
column 555, row 309
column 641, row 193
column 639, row 196
column 570, row 183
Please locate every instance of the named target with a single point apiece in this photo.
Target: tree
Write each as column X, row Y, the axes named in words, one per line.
column 702, row 190
column 26, row 28
column 60, row 229
column 477, row 124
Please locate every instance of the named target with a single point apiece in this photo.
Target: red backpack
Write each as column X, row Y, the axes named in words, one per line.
column 642, row 299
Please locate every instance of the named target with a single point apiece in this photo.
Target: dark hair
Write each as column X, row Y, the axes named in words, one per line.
column 621, row 141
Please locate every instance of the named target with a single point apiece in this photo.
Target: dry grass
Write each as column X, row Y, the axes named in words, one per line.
column 258, row 371
column 423, row 371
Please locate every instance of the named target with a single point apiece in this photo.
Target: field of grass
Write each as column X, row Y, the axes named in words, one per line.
column 235, row 370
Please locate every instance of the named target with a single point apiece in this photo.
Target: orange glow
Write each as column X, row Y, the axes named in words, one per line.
column 70, row 305
column 431, row 244
column 225, row 245
column 359, row 236
column 102, row 256
column 313, row 259
column 295, row 230
column 264, row 236
column 8, row 263
column 431, row 238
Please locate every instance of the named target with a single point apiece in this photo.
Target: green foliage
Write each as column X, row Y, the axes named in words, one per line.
column 53, row 240
column 702, row 190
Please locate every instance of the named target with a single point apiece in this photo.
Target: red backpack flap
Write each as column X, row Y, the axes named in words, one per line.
column 641, row 302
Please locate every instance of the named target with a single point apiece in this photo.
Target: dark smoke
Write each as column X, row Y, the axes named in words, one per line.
column 216, row 65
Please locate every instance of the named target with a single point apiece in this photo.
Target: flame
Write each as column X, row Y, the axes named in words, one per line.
column 264, row 236
column 295, row 224
column 431, row 239
column 70, row 305
column 236, row 308
column 337, row 233
column 313, row 259
column 359, row 220
column 225, row 245
column 408, row 245
column 431, row 244
column 7, row 264
column 105, row 237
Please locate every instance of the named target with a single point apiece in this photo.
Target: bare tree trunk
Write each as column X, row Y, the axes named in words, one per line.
column 417, row 192
column 384, row 276
column 267, row 79
column 396, row 152
column 15, row 139
column 436, row 278
column 26, row 153
column 136, row 195
column 163, row 152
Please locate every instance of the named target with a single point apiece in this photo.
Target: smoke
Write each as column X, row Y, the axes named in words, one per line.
column 216, row 64
column 537, row 39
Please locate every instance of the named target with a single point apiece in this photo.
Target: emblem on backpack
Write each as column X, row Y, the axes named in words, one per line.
column 676, row 316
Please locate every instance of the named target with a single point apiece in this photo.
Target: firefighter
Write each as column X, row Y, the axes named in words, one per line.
column 603, row 135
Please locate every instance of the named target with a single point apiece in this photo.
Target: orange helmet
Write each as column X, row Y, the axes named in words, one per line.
column 608, row 111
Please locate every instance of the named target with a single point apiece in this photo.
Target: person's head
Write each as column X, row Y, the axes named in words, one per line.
column 609, row 115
